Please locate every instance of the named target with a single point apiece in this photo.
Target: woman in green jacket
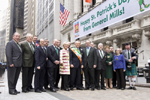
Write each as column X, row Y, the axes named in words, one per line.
column 109, row 67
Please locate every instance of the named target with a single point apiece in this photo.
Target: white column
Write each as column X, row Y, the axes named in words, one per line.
column 145, row 44
column 68, row 4
column 98, row 1
column 77, row 7
column 86, row 6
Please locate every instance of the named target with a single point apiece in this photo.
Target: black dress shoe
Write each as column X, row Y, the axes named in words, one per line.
column 86, row 88
column 98, row 88
column 92, row 89
column 12, row 93
column 134, row 88
column 71, row 88
column 28, row 89
column 17, row 91
column 67, row 89
column 47, row 88
column 52, row 90
column 130, row 88
column 43, row 90
column 79, row 88
column 103, row 88
column 114, row 87
column 56, row 87
column 37, row 91
column 25, row 91
column 122, row 88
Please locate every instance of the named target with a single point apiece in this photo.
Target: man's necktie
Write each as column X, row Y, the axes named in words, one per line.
column 101, row 54
column 87, row 50
column 56, row 50
column 19, row 46
column 128, row 54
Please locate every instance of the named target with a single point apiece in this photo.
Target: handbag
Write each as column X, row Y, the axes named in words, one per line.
column 129, row 66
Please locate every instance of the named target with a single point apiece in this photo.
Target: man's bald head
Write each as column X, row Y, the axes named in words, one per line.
column 55, row 42
column 16, row 36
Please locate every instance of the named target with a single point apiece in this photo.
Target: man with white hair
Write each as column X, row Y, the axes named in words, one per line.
column 53, row 64
column 14, row 63
column 101, row 66
column 28, row 62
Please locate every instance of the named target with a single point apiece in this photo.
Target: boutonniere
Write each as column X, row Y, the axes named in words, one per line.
column 108, row 56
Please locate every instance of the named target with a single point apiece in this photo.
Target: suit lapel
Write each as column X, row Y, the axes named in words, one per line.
column 28, row 46
column 17, row 45
column 42, row 50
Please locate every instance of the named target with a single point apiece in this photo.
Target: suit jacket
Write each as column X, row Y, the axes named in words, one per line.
column 132, row 51
column 52, row 57
column 28, row 55
column 13, row 54
column 74, row 59
column 40, row 57
column 91, row 59
column 101, row 62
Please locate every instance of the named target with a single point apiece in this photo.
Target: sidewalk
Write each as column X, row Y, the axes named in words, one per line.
column 26, row 96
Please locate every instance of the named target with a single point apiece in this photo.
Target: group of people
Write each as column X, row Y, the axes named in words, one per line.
column 51, row 63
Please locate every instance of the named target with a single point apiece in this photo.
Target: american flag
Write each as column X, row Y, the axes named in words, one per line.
column 64, row 13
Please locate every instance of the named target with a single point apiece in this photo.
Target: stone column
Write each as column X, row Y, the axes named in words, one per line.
column 86, row 6
column 115, row 44
column 68, row 4
column 144, row 45
column 99, row 1
column 77, row 7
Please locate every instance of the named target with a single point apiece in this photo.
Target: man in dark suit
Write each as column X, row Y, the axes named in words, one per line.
column 14, row 62
column 89, row 65
column 52, row 64
column 101, row 67
column 75, row 62
column 28, row 63
column 40, row 59
column 46, row 43
column 114, row 73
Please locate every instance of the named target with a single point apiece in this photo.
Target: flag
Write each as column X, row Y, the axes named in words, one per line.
column 64, row 13
column 89, row 1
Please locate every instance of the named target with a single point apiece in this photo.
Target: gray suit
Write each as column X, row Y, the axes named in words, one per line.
column 14, row 56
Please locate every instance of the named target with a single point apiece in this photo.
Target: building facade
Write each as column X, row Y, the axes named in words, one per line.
column 134, row 30
column 47, row 19
column 29, row 18
column 3, row 21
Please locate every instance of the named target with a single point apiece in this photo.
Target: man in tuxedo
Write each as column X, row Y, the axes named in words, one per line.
column 101, row 67
column 53, row 64
column 130, row 58
column 28, row 63
column 114, row 73
column 40, row 59
column 89, row 65
column 75, row 62
column 46, row 43
column 14, row 63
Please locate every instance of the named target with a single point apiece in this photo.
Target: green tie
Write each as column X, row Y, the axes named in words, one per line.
column 32, row 49
column 101, row 54
column 19, row 46
column 87, row 50
column 56, row 50
column 128, row 55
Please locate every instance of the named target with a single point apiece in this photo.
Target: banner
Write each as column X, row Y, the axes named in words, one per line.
column 109, row 13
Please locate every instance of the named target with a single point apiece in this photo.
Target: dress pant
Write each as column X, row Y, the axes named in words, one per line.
column 89, row 74
column 99, row 73
column 31, row 74
column 27, row 74
column 65, row 82
column 46, row 78
column 50, row 73
column 120, row 78
column 56, row 76
column 114, row 79
column 13, row 75
column 75, row 77
column 39, row 78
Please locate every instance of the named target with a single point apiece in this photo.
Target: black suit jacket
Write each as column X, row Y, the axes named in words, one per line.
column 40, row 57
column 101, row 62
column 13, row 54
column 52, row 57
column 74, row 59
column 91, row 59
